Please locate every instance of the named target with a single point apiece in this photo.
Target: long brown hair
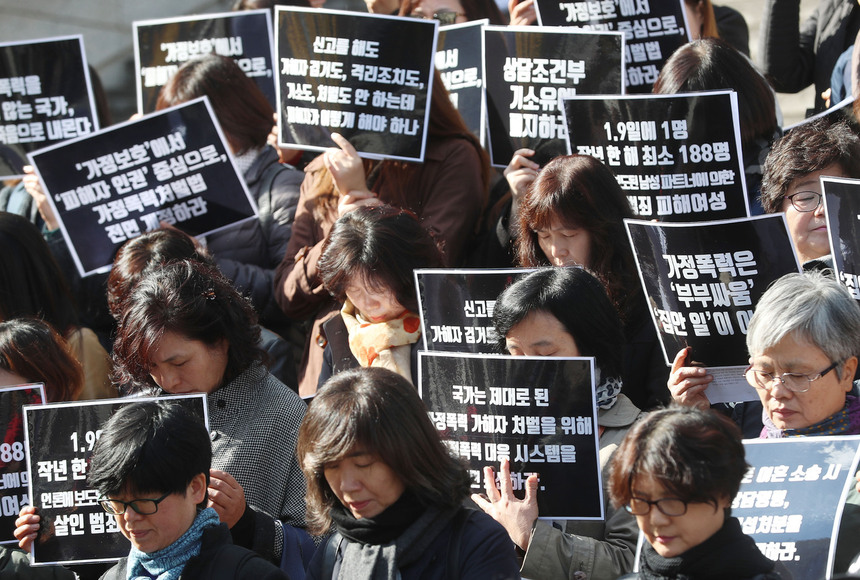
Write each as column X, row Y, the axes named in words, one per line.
column 32, row 349
column 243, row 111
column 581, row 191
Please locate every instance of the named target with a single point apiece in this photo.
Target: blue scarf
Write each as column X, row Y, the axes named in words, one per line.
column 168, row 563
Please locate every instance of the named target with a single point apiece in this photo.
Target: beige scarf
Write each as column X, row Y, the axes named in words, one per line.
column 382, row 344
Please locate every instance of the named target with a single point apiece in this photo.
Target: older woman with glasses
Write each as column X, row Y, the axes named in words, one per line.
column 803, row 342
column 677, row 471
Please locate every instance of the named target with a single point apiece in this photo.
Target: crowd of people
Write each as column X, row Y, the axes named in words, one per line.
column 302, row 329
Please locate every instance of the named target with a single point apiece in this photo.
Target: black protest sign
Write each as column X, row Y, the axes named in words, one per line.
column 843, row 111
column 527, row 70
column 460, row 62
column 162, row 46
column 45, row 98
column 13, row 468
column 842, row 206
column 703, row 280
column 678, row 157
column 60, row 442
column 365, row 76
column 791, row 498
column 653, row 30
column 538, row 412
column 171, row 166
column 457, row 307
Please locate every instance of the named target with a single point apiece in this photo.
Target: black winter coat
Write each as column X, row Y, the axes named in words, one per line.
column 219, row 559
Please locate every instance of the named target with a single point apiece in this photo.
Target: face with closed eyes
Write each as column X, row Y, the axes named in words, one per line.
column 175, row 514
column 182, row 365
column 565, row 244
column 671, row 536
column 808, row 229
column 540, row 334
column 363, row 483
column 375, row 302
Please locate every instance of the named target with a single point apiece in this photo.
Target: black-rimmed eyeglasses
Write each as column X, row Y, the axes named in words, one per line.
column 145, row 507
column 670, row 506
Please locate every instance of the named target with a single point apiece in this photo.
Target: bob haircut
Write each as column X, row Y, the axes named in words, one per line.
column 379, row 411
column 193, row 300
column 808, row 148
column 378, row 246
column 696, row 455
column 145, row 251
column 152, row 447
column 578, row 300
column 813, row 308
column 711, row 64
column 581, row 191
column 472, row 9
column 32, row 349
column 240, row 106
column 31, row 282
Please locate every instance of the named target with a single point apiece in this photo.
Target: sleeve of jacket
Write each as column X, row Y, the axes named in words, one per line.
column 787, row 47
column 15, row 563
column 276, row 220
column 487, row 552
column 554, row 554
column 298, row 290
column 452, row 206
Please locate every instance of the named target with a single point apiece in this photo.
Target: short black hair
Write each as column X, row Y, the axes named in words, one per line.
column 154, row 446
column 578, row 300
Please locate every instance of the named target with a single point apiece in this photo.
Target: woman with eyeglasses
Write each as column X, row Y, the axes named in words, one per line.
column 803, row 341
column 791, row 182
column 677, row 471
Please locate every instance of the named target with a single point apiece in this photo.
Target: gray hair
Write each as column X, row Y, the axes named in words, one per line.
column 812, row 306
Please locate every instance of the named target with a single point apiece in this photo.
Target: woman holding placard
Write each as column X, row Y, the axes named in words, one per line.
column 711, row 64
column 565, row 312
column 447, row 193
column 677, row 471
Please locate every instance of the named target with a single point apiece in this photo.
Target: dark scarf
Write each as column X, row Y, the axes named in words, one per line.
column 378, row 547
column 729, row 553
column 845, row 422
